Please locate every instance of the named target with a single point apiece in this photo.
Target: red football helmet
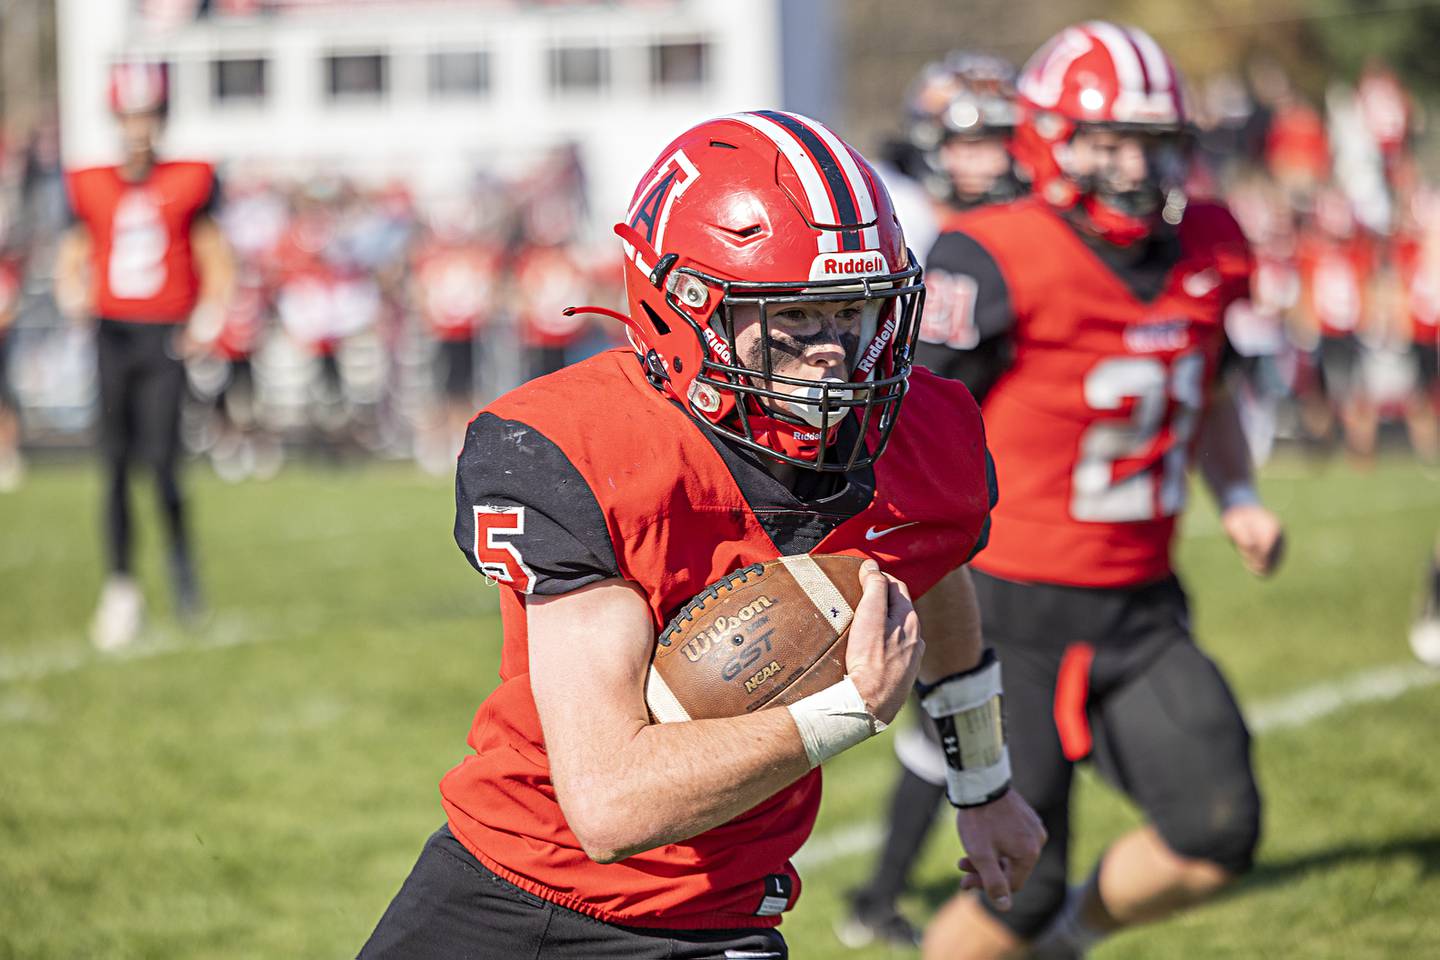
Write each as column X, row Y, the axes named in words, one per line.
column 769, row 210
column 1101, row 75
column 139, row 87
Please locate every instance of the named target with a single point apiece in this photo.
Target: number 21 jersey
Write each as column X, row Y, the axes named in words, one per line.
column 1093, row 419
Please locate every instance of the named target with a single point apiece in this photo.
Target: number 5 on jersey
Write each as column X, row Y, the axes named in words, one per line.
column 497, row 558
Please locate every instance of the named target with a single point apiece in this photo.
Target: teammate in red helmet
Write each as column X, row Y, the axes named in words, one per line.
column 1095, row 333
column 772, row 313
column 146, row 259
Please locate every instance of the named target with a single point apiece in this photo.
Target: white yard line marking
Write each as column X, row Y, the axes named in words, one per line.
column 1311, row 703
column 226, row 631
column 1297, row 709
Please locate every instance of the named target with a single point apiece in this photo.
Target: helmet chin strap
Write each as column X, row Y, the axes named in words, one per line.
column 1114, row 225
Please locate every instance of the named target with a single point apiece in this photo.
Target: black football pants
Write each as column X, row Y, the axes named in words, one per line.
column 452, row 908
column 1114, row 676
column 142, row 384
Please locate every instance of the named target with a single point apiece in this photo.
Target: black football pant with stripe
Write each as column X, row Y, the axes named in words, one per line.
column 1114, row 677
column 142, row 384
column 452, row 907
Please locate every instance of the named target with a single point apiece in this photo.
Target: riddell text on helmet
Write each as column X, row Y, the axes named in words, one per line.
column 858, row 264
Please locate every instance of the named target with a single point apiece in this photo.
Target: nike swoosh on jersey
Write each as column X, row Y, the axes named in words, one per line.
column 875, row 533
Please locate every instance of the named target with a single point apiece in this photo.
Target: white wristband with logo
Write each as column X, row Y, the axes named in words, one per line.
column 833, row 720
column 968, row 710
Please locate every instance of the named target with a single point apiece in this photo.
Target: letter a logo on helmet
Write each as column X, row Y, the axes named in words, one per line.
column 762, row 210
column 673, row 177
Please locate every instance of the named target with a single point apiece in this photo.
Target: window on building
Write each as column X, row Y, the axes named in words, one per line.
column 356, row 74
column 578, row 69
column 237, row 80
column 459, row 73
column 679, row 66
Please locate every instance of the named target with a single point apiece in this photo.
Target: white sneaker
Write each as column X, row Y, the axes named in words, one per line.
column 12, row 472
column 1425, row 640
column 118, row 617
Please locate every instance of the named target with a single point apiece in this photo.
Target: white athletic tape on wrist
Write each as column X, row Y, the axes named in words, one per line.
column 968, row 710
column 833, row 720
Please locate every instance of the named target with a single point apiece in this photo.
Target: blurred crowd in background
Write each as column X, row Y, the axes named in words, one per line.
column 1338, row 340
column 367, row 322
column 363, row 322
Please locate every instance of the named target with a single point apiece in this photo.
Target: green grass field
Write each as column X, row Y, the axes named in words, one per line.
column 259, row 788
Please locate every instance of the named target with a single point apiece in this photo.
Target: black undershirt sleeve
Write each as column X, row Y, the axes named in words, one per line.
column 968, row 314
column 559, row 541
column 213, row 201
column 993, row 486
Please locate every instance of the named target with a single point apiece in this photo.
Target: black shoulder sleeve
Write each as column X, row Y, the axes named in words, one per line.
column 994, row 487
column 71, row 211
column 524, row 515
column 967, row 314
column 213, row 200
column 979, row 296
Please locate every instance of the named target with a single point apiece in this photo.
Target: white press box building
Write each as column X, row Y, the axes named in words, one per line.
column 432, row 90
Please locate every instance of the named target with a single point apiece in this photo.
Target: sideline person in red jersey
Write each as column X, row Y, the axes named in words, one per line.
column 772, row 312
column 147, row 260
column 1098, row 307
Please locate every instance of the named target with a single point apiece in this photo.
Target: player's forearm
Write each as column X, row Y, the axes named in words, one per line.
column 950, row 623
column 1223, row 453
column 72, row 294
column 664, row 783
column 215, row 264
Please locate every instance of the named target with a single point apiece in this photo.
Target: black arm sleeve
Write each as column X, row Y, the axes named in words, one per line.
column 559, row 541
column 968, row 314
column 211, row 206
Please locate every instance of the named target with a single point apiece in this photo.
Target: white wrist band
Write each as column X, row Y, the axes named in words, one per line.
column 833, row 720
column 1239, row 495
column 967, row 708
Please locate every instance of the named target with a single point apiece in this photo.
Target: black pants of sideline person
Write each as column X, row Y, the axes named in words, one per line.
column 142, row 385
column 451, row 907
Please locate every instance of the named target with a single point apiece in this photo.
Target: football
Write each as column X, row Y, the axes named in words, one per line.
column 764, row 636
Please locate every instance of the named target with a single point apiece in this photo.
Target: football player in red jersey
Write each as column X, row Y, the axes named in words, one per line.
column 772, row 312
column 147, row 260
column 1416, row 258
column 1337, row 265
column 1098, row 307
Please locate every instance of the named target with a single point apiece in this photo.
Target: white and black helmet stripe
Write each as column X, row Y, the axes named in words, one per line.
column 834, row 187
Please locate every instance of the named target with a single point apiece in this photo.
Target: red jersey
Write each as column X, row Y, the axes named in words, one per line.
column 142, row 268
column 1103, row 386
column 592, row 474
column 1420, row 285
column 11, row 277
column 547, row 280
column 455, row 286
column 1334, row 276
column 244, row 319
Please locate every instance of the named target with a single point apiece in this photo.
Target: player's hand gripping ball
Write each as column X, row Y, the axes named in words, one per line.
column 764, row 636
